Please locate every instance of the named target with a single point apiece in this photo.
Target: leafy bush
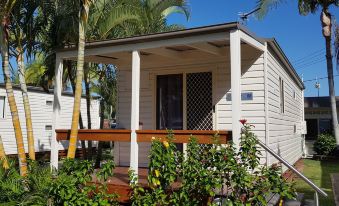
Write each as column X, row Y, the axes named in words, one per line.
column 207, row 172
column 68, row 186
column 71, row 187
column 325, row 144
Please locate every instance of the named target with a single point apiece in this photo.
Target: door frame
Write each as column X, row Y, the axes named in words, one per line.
column 184, row 72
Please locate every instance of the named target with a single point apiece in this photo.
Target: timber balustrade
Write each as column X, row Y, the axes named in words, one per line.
column 124, row 135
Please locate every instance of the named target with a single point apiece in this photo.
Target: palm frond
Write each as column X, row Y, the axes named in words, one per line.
column 265, row 6
column 116, row 17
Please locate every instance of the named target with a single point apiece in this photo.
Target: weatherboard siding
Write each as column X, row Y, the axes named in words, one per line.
column 282, row 137
column 42, row 117
column 252, row 80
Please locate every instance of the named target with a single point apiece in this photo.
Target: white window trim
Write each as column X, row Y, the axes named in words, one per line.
column 3, row 107
column 282, row 95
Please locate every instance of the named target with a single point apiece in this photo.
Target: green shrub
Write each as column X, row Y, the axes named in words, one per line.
column 68, row 186
column 325, row 144
column 206, row 172
column 71, row 185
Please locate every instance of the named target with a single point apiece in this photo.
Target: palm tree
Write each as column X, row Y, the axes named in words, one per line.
column 24, row 27
column 5, row 9
column 135, row 17
column 83, row 18
column 3, row 158
column 312, row 6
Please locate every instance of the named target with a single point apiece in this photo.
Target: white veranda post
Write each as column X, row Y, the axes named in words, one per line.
column 56, row 111
column 235, row 59
column 135, row 110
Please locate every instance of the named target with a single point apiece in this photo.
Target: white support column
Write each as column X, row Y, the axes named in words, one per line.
column 267, row 125
column 56, row 111
column 235, row 55
column 135, row 110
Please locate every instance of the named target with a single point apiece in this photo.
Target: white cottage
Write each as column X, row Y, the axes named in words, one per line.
column 42, row 112
column 198, row 79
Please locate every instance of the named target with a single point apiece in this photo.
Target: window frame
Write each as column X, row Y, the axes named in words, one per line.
column 282, row 95
column 3, row 107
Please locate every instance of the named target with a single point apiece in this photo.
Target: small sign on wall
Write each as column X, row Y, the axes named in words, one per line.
column 245, row 96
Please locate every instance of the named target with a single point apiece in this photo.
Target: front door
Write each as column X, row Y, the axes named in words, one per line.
column 171, row 100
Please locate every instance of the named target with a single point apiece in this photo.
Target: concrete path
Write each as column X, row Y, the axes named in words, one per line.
column 335, row 186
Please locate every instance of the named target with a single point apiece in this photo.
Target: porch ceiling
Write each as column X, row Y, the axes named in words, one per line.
column 207, row 52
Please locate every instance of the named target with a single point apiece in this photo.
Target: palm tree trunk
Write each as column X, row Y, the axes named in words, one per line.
column 81, row 124
column 10, row 96
column 88, row 107
column 102, row 118
column 3, row 157
column 27, row 108
column 83, row 17
column 326, row 22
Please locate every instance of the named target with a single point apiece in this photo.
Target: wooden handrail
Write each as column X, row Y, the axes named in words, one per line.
column 120, row 135
column 124, row 135
column 183, row 136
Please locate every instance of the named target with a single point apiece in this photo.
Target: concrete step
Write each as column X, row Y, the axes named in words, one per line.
column 297, row 202
column 308, row 202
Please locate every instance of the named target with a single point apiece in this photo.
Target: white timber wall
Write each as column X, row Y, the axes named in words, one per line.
column 252, row 80
column 42, row 117
column 283, row 138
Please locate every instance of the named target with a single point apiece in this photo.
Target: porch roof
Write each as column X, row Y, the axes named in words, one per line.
column 202, row 44
column 166, row 35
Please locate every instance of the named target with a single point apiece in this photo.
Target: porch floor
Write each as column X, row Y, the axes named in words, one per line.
column 119, row 183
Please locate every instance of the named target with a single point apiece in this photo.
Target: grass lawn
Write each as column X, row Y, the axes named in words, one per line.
column 319, row 172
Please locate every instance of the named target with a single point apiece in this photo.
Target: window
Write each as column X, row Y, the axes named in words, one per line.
column 294, row 94
column 2, row 107
column 282, row 95
column 49, row 103
column 48, row 127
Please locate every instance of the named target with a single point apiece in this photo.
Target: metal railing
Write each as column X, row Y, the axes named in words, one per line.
column 299, row 174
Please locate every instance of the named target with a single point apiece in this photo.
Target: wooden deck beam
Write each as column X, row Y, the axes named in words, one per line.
column 180, row 136
column 122, row 135
column 183, row 136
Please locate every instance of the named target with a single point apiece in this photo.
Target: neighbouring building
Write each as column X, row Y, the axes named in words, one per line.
column 42, row 117
column 318, row 118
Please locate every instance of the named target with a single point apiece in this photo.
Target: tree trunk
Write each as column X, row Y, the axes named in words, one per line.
column 83, row 17
column 88, row 107
column 326, row 22
column 10, row 96
column 3, row 158
column 81, row 124
column 27, row 107
column 102, row 118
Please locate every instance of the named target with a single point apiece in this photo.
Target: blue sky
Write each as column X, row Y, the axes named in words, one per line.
column 299, row 36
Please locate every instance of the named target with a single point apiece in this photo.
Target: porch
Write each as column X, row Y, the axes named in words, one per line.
column 223, row 52
column 120, row 182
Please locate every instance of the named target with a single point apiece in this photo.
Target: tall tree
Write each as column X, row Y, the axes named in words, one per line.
column 312, row 6
column 124, row 18
column 5, row 9
column 83, row 18
column 3, row 158
column 25, row 25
